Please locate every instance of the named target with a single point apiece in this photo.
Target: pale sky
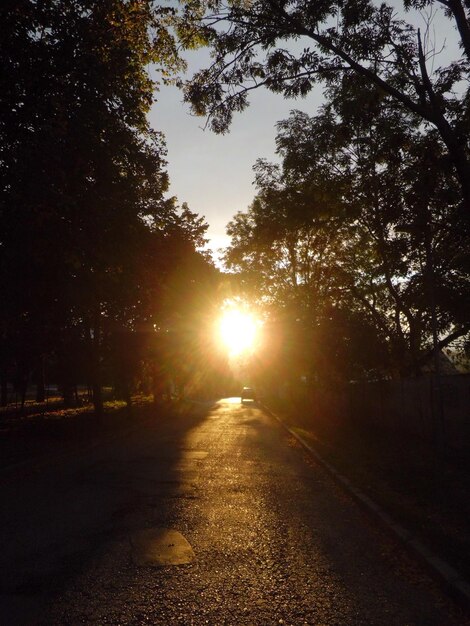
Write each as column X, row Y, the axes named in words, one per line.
column 213, row 173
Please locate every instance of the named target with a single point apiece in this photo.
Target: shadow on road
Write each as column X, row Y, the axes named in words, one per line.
column 56, row 520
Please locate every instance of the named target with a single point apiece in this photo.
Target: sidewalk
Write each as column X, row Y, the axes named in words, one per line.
column 396, row 483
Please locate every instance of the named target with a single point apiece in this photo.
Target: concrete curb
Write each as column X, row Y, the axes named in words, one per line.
column 449, row 578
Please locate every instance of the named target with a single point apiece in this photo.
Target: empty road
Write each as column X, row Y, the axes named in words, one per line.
column 272, row 539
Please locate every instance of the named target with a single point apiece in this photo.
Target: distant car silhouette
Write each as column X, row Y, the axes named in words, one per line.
column 248, row 393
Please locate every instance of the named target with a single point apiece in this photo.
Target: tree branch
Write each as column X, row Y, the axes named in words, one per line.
column 299, row 29
column 462, row 23
column 442, row 343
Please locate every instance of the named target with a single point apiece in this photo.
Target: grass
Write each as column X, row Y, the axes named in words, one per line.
column 39, row 435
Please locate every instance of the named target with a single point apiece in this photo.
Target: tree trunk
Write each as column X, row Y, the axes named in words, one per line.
column 3, row 390
column 41, row 384
column 23, row 390
column 128, row 398
column 95, row 366
column 67, row 394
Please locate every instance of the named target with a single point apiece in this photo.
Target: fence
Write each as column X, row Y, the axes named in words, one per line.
column 414, row 406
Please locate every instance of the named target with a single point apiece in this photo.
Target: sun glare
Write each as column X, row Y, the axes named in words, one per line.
column 238, row 331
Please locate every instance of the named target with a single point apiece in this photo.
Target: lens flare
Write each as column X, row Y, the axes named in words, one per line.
column 238, row 331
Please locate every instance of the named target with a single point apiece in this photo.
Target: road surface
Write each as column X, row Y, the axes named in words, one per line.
column 272, row 539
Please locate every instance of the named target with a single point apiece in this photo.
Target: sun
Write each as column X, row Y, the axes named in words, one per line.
column 238, row 331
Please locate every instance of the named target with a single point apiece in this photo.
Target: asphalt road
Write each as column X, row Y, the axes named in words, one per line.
column 275, row 541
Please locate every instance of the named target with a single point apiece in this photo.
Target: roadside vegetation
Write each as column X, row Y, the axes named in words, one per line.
column 357, row 241
column 355, row 247
column 102, row 273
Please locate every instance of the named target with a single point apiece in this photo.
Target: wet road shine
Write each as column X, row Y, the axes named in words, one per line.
column 274, row 540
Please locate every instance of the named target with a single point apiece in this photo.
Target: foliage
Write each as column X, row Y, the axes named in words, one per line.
column 289, row 47
column 86, row 232
column 355, row 237
column 366, row 222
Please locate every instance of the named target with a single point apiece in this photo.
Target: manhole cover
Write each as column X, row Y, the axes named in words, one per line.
column 160, row 546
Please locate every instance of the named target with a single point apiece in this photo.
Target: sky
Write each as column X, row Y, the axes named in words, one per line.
column 213, row 173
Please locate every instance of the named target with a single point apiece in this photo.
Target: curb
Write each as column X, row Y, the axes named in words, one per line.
column 449, row 578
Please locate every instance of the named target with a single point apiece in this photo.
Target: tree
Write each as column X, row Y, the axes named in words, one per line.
column 358, row 223
column 292, row 271
column 82, row 177
column 289, row 47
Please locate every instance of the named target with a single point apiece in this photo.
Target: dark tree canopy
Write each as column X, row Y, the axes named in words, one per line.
column 85, row 229
column 355, row 234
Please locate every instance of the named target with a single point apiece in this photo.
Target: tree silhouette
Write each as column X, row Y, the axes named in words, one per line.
column 357, row 232
column 290, row 47
column 84, row 224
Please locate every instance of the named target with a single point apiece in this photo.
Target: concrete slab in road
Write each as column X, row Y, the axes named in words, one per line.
column 160, row 547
